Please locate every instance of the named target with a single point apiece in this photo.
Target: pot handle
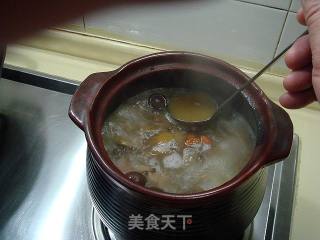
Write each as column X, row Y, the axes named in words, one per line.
column 284, row 136
column 84, row 96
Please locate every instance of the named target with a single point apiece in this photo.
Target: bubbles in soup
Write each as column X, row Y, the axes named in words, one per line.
column 155, row 152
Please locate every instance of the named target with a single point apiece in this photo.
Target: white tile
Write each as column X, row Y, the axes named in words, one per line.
column 296, row 4
column 231, row 29
column 76, row 24
column 291, row 31
column 283, row 4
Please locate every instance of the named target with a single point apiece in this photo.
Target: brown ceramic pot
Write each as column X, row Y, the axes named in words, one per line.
column 220, row 213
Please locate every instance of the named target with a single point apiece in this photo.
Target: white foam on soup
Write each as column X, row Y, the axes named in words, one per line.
column 171, row 158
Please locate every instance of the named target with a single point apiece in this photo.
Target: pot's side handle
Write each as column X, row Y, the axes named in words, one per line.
column 85, row 95
column 284, row 136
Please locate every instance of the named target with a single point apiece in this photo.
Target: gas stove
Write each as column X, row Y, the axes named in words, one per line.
column 43, row 187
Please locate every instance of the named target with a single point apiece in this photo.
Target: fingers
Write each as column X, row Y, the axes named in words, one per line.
column 299, row 80
column 300, row 91
column 311, row 9
column 298, row 99
column 303, row 83
column 300, row 17
column 299, row 55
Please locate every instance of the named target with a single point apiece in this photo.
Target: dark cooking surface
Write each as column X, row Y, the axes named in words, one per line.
column 42, row 179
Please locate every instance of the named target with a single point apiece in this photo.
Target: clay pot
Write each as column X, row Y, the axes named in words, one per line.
column 220, row 213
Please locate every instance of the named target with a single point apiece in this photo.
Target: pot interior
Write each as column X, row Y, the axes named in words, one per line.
column 250, row 104
column 246, row 104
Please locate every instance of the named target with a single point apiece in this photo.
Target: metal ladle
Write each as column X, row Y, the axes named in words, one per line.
column 232, row 97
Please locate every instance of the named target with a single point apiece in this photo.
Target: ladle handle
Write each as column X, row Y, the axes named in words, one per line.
column 84, row 97
column 239, row 90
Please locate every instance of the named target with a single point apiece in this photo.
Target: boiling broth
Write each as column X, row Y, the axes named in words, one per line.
column 158, row 153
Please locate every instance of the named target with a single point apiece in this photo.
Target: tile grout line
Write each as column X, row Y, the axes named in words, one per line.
column 282, row 29
column 84, row 23
column 261, row 5
column 88, row 34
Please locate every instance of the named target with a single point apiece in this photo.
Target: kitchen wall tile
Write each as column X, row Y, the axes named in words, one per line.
column 283, row 4
column 240, row 32
column 292, row 29
column 295, row 5
column 76, row 25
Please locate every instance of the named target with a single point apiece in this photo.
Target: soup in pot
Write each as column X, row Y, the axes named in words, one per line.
column 154, row 151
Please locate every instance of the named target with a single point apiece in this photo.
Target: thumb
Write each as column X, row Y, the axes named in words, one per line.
column 311, row 9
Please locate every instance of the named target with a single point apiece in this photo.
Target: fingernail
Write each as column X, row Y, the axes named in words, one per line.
column 281, row 97
column 288, row 57
column 290, row 51
column 289, row 76
column 282, row 100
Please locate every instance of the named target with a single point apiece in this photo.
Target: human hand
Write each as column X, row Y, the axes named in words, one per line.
column 303, row 58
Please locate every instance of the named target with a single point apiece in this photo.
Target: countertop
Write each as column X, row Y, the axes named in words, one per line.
column 43, row 185
column 46, row 195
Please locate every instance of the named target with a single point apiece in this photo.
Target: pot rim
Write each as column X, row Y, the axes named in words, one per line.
column 255, row 163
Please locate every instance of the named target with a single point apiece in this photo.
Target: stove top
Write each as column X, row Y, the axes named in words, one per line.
column 43, row 185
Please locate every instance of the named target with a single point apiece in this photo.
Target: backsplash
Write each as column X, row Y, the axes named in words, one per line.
column 243, row 32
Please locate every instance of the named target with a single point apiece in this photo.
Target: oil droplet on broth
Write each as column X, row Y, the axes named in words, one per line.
column 192, row 107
